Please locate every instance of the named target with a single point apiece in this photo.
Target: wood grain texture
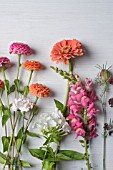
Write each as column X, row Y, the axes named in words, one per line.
column 41, row 23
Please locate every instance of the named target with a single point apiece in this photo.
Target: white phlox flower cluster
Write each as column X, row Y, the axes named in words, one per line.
column 22, row 104
column 55, row 119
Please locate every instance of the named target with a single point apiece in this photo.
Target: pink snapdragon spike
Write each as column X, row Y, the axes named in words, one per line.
column 82, row 98
column 19, row 49
column 4, row 62
column 1, row 84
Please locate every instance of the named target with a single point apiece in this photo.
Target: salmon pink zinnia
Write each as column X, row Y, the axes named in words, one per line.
column 32, row 65
column 19, row 48
column 66, row 49
column 39, row 90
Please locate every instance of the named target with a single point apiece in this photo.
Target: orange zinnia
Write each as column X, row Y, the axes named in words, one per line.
column 39, row 90
column 32, row 65
column 66, row 49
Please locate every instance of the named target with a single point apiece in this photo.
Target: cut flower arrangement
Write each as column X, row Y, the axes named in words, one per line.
column 78, row 112
column 22, row 108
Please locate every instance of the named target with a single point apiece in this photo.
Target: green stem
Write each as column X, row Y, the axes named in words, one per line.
column 67, row 88
column 31, row 73
column 86, row 143
column 23, row 133
column 8, row 149
column 87, row 155
column 7, row 98
column 19, row 150
column 19, row 65
column 3, row 74
column 104, row 121
column 31, row 114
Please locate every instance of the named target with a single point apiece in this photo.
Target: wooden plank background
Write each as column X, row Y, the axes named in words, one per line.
column 41, row 23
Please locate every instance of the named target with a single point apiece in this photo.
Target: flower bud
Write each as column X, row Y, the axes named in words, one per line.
column 105, row 75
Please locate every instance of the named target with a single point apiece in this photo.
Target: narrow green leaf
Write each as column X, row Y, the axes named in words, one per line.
column 19, row 135
column 35, row 110
column 12, row 89
column 48, row 165
column 38, row 153
column 6, row 116
column 6, row 82
column 3, row 158
column 24, row 164
column 59, row 105
column 26, row 90
column 32, row 134
column 18, row 143
column 1, row 110
column 70, row 155
column 67, row 112
column 16, row 82
column 5, row 142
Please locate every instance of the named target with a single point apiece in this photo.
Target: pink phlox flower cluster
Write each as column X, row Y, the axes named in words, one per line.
column 82, row 98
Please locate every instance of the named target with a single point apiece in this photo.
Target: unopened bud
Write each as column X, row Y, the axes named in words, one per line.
column 105, row 75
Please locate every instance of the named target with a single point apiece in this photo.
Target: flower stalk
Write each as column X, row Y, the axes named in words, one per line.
column 87, row 154
column 86, row 143
column 19, row 65
column 68, row 88
column 103, row 104
column 31, row 73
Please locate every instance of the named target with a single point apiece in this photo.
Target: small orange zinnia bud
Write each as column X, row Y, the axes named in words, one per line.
column 32, row 65
column 39, row 90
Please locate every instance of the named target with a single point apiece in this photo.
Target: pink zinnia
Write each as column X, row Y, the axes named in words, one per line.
column 4, row 62
column 1, row 84
column 66, row 49
column 19, row 48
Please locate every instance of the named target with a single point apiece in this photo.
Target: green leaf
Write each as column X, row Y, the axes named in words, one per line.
column 18, row 143
column 19, row 135
column 48, row 165
column 12, row 89
column 1, row 110
column 3, row 158
column 32, row 134
column 5, row 142
column 35, row 110
column 38, row 153
column 67, row 112
column 2, row 161
column 56, row 141
column 26, row 90
column 6, row 82
column 24, row 164
column 59, row 105
column 6, row 116
column 16, row 82
column 70, row 155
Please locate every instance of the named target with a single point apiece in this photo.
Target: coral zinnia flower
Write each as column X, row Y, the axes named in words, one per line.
column 32, row 65
column 39, row 90
column 19, row 48
column 4, row 62
column 66, row 49
column 1, row 84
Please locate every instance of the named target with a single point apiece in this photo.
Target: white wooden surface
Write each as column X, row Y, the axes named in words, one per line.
column 41, row 23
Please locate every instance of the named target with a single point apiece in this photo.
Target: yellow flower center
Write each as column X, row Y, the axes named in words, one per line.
column 66, row 49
